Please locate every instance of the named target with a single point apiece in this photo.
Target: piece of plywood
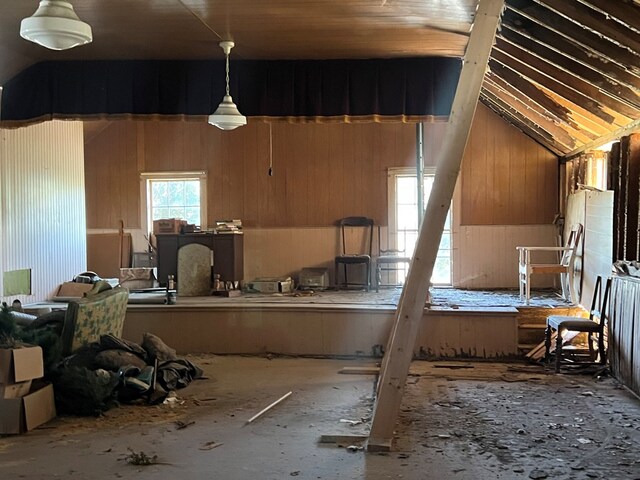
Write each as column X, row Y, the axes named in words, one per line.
column 16, row 282
column 103, row 250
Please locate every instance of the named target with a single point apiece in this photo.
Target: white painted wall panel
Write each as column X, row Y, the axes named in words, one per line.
column 486, row 256
column 42, row 204
column 598, row 241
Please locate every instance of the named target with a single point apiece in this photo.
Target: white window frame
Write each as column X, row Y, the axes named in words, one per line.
column 392, row 233
column 145, row 191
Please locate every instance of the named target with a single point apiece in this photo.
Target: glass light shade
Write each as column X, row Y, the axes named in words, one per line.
column 55, row 25
column 227, row 116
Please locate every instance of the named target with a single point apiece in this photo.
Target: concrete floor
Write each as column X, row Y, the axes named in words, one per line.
column 458, row 421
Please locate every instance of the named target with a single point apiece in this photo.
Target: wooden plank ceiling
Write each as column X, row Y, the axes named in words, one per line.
column 566, row 72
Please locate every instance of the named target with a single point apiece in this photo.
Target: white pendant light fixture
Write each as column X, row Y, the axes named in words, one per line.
column 227, row 116
column 55, row 25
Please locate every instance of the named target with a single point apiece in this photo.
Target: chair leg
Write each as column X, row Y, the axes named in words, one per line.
column 521, row 285
column 527, row 289
column 573, row 292
column 336, row 273
column 558, row 351
column 368, row 277
column 547, row 343
column 378, row 276
column 601, row 349
column 346, row 279
column 592, row 351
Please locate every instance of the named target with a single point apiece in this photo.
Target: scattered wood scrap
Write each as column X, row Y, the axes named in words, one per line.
column 537, row 353
column 360, row 370
column 182, row 425
column 342, row 440
column 269, row 407
column 453, row 367
column 210, row 445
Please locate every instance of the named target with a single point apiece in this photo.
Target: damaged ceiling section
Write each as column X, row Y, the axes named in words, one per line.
column 567, row 73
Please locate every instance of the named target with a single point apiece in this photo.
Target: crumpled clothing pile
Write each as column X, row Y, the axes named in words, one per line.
column 97, row 377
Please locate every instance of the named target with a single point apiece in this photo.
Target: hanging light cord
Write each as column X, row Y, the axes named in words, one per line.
column 227, row 70
column 270, row 152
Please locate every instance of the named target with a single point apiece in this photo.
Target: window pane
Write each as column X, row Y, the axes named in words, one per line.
column 192, row 193
column 428, row 185
column 407, row 217
column 176, row 212
column 192, row 215
column 175, row 198
column 445, row 242
column 159, row 194
column 176, row 193
column 407, row 225
column 159, row 213
column 441, row 271
column 410, row 242
column 406, row 190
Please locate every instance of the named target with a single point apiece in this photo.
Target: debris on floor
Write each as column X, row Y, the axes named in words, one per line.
column 269, row 407
column 458, row 424
column 140, row 458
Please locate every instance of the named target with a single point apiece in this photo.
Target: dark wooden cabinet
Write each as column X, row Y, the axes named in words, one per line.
column 228, row 259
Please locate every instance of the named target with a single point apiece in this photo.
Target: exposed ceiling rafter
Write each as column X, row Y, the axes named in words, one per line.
column 621, row 11
column 596, row 22
column 554, row 134
column 558, row 43
column 581, row 134
column 572, row 67
column 582, row 37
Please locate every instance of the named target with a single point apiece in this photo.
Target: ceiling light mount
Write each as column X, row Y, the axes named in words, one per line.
column 56, row 26
column 227, row 116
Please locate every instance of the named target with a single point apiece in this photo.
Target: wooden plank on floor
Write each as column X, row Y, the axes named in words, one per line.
column 409, row 312
column 343, row 439
column 360, row 370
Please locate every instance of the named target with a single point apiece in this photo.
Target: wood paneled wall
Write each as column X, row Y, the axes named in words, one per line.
column 320, row 172
column 112, row 181
column 325, row 172
column 485, row 256
column 507, row 178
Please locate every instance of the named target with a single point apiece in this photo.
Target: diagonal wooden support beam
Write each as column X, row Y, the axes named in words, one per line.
column 409, row 313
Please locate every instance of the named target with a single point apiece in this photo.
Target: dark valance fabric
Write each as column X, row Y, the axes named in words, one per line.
column 409, row 89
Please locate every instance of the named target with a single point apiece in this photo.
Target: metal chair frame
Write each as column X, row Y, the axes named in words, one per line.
column 346, row 258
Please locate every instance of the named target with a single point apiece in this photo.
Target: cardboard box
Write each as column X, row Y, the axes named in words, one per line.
column 15, row 390
column 137, row 278
column 271, row 285
column 20, row 364
column 168, row 225
column 19, row 415
column 73, row 290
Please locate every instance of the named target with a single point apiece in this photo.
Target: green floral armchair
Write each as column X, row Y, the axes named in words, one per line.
column 92, row 316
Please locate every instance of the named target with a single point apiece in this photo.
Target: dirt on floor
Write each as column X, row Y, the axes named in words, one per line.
column 514, row 421
column 459, row 420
